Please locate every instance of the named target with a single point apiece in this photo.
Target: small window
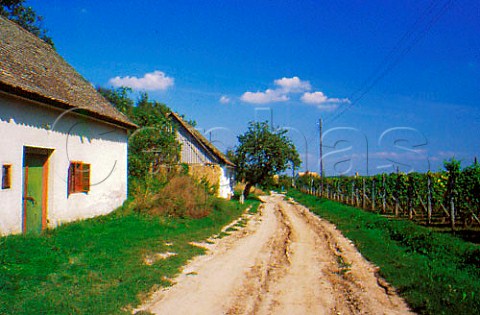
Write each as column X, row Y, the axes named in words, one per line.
column 6, row 176
column 78, row 177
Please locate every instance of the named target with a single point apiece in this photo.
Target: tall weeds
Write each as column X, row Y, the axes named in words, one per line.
column 177, row 195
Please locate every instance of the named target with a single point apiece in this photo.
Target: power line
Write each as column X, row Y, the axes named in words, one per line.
column 395, row 48
column 388, row 65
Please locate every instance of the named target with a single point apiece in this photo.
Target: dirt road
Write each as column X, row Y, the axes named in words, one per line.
column 284, row 261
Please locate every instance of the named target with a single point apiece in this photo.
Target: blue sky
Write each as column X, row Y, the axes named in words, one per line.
column 400, row 76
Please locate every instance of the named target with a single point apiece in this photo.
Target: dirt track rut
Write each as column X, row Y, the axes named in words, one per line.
column 284, row 261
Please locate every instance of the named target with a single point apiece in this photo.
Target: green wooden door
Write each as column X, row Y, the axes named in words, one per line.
column 34, row 192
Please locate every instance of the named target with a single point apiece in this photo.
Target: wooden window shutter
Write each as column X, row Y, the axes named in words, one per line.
column 78, row 177
column 71, row 178
column 86, row 178
column 6, row 176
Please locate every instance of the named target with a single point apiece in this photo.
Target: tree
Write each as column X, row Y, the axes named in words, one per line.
column 154, row 143
column 119, row 98
column 262, row 153
column 26, row 17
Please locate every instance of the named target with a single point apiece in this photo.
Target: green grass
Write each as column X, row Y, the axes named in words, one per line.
column 436, row 273
column 96, row 266
column 253, row 201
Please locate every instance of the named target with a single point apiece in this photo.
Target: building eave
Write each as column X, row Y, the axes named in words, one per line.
column 35, row 97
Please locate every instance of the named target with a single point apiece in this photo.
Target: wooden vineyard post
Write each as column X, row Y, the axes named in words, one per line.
column 321, row 187
column 452, row 212
column 410, row 208
column 410, row 197
column 453, row 171
column 357, row 198
column 353, row 192
column 429, row 198
column 397, row 195
column 397, row 206
column 373, row 194
column 337, row 192
column 364, row 193
column 384, row 195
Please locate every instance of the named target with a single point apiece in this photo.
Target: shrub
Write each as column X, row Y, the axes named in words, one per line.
column 180, row 197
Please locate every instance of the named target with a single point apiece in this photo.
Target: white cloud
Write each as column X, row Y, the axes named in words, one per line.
column 314, row 98
column 225, row 99
column 320, row 98
column 327, row 108
column 153, row 81
column 269, row 96
column 293, row 85
column 284, row 85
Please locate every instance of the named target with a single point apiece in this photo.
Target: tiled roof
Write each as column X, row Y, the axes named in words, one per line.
column 32, row 69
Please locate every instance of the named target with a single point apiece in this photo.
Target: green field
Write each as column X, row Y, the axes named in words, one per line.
column 97, row 266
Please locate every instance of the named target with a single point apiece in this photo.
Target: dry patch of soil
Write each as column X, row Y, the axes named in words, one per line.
column 284, row 261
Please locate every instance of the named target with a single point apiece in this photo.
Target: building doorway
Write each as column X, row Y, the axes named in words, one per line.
column 35, row 189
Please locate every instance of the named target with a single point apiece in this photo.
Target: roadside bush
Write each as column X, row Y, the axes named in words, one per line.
column 182, row 197
column 177, row 196
column 142, row 192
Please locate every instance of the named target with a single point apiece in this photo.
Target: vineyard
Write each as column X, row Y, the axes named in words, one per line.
column 447, row 198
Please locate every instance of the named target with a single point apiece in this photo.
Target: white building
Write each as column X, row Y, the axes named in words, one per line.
column 63, row 147
column 204, row 159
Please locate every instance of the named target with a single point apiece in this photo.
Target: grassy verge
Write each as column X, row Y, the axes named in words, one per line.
column 97, row 266
column 436, row 273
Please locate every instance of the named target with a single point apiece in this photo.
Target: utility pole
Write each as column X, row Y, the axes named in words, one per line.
column 321, row 146
column 321, row 156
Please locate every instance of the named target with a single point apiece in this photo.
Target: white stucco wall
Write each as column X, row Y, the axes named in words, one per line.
column 71, row 138
column 225, row 189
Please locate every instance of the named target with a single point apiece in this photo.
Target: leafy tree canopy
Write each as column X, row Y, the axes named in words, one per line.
column 119, row 98
column 154, row 143
column 26, row 17
column 262, row 153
